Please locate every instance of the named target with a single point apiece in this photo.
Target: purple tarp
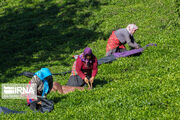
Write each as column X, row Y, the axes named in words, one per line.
column 132, row 52
column 128, row 53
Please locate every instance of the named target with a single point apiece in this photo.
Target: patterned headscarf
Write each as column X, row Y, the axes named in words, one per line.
column 131, row 27
column 87, row 51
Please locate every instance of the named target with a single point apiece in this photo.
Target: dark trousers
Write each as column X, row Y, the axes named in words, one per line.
column 77, row 81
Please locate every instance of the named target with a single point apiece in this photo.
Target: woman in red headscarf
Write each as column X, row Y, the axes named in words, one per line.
column 120, row 37
column 84, row 69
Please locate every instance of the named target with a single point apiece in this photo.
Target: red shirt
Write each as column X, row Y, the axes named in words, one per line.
column 83, row 70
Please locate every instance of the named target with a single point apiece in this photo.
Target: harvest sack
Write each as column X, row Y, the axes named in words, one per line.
column 45, row 106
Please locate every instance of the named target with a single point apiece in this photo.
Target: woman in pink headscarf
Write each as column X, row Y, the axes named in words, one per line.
column 83, row 72
column 120, row 37
column 84, row 69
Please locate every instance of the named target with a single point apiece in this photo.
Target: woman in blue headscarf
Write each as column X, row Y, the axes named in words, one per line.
column 44, row 81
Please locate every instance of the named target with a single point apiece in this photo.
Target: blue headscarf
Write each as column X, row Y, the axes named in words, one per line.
column 42, row 74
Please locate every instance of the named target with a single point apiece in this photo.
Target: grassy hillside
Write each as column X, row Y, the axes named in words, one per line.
column 47, row 33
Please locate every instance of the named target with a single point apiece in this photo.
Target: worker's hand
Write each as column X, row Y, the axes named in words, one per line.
column 39, row 103
column 137, row 47
column 91, row 79
column 86, row 80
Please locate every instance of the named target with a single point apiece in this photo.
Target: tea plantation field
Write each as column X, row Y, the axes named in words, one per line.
column 47, row 33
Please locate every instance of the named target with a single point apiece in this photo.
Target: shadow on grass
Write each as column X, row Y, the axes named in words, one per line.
column 44, row 32
column 58, row 99
column 98, row 82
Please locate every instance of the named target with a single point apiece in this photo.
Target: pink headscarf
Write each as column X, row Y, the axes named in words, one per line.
column 131, row 27
column 87, row 51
